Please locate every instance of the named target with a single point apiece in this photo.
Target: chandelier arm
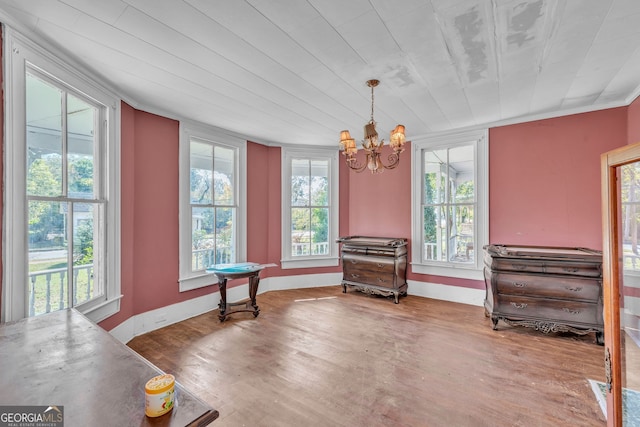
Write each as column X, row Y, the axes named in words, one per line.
column 356, row 165
column 394, row 160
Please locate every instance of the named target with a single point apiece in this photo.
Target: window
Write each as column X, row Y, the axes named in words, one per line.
column 629, row 177
column 62, row 236
column 212, row 203
column 450, row 205
column 310, row 208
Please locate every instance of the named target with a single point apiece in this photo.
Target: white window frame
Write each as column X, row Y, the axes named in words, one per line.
column 18, row 51
column 193, row 280
column 480, row 139
column 331, row 259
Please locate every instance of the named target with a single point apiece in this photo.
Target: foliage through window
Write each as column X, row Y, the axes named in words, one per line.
column 213, row 204
column 65, row 208
column 450, row 204
column 630, row 198
column 309, row 208
column 212, row 198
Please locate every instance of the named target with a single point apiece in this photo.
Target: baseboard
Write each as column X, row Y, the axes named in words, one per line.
column 164, row 316
column 447, row 293
column 302, row 281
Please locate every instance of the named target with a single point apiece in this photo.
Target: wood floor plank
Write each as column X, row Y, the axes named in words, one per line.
column 318, row 357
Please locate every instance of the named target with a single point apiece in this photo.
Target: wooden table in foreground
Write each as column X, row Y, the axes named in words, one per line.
column 64, row 359
column 226, row 272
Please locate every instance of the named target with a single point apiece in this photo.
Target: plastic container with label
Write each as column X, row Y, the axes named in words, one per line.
column 159, row 395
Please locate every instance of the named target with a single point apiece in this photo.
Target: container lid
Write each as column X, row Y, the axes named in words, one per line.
column 160, row 384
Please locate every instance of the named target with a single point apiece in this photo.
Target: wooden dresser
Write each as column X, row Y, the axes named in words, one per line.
column 374, row 265
column 551, row 289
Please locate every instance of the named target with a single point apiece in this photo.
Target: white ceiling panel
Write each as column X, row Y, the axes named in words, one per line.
column 107, row 11
column 294, row 71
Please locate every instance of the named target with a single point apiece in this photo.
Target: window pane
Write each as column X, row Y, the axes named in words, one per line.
column 630, row 198
column 44, row 138
column 436, row 241
column 300, row 183
column 435, row 169
column 319, row 183
column 461, row 174
column 81, row 119
column 225, row 219
column 300, row 232
column 460, row 242
column 223, row 176
column 463, row 234
column 201, row 173
column 212, row 236
column 47, row 243
column 319, row 231
column 87, row 225
column 441, row 233
column 430, row 233
column 202, row 238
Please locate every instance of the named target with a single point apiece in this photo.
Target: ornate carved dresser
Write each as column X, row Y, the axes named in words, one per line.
column 374, row 265
column 551, row 289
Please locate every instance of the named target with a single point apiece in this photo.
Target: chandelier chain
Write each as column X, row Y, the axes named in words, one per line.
column 372, row 121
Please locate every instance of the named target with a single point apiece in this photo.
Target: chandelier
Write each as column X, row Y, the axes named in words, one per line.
column 371, row 145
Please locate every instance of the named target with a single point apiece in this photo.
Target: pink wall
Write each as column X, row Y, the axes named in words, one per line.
column 156, row 254
column 633, row 122
column 274, row 223
column 545, row 178
column 380, row 204
column 258, row 202
column 149, row 204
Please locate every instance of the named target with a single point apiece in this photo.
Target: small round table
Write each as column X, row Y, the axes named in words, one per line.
column 226, row 272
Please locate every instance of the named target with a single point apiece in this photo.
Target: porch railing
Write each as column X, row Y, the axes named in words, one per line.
column 203, row 258
column 303, row 249
column 48, row 288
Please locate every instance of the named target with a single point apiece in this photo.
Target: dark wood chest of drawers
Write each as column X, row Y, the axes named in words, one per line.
column 552, row 289
column 375, row 265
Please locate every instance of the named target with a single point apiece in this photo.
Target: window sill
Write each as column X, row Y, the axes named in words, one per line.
column 196, row 282
column 308, row 263
column 460, row 272
column 100, row 312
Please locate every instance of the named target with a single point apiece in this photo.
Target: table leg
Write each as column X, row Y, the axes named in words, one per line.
column 253, row 290
column 222, row 284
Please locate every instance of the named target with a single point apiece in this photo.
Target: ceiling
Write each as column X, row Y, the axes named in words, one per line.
column 294, row 71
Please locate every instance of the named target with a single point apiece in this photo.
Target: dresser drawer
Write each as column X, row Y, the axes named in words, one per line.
column 569, row 312
column 572, row 268
column 369, row 270
column 357, row 263
column 375, row 252
column 573, row 288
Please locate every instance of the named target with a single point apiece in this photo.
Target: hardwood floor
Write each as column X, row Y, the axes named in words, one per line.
column 318, row 357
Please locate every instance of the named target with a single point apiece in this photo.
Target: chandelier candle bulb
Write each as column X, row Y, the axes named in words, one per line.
column 159, row 395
